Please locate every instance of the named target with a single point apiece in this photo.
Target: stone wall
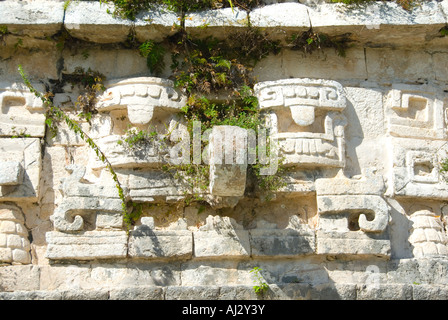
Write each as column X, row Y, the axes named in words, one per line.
column 363, row 212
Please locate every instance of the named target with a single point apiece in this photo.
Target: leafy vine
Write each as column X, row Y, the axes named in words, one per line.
column 56, row 115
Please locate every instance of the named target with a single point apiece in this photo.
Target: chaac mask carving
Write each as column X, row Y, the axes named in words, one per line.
column 305, row 117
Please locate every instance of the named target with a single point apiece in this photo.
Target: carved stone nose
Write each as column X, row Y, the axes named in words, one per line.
column 141, row 96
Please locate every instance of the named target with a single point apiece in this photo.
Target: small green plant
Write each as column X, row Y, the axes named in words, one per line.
column 154, row 54
column 3, row 29
column 135, row 139
column 21, row 134
column 443, row 169
column 3, row 33
column 444, row 31
column 260, row 285
column 66, row 4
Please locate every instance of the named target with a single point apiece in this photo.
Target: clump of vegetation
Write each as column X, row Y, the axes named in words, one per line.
column 92, row 84
column 154, row 54
column 135, row 139
column 3, row 33
column 443, row 168
column 54, row 115
column 309, row 41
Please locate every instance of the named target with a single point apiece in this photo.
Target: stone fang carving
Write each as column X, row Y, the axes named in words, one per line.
column 84, row 201
column 141, row 96
column 353, row 216
column 315, row 136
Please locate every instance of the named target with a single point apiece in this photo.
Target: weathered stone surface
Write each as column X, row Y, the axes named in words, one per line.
column 362, row 134
column 415, row 112
column 228, row 150
column 11, row 173
column 137, row 293
column 221, row 237
column 150, row 185
column 208, row 22
column 89, row 20
column 355, row 242
column 147, row 242
column 38, row 19
column 294, row 240
column 21, row 112
column 88, row 245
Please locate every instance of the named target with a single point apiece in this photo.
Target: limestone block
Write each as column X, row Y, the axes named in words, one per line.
column 89, row 20
column 394, row 66
column 221, row 236
column 280, row 18
column 415, row 112
column 355, row 242
column 321, row 64
column 147, row 242
column 296, row 239
column 218, row 22
column 147, row 155
column 37, row 19
column 360, row 197
column 228, row 161
column 140, row 96
column 396, row 24
column 306, row 120
column 87, row 245
column 150, row 185
column 25, row 153
column 367, row 184
column 21, row 113
column 67, row 137
column 155, row 24
column 11, row 173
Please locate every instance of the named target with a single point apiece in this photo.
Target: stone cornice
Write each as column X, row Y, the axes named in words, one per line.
column 378, row 24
